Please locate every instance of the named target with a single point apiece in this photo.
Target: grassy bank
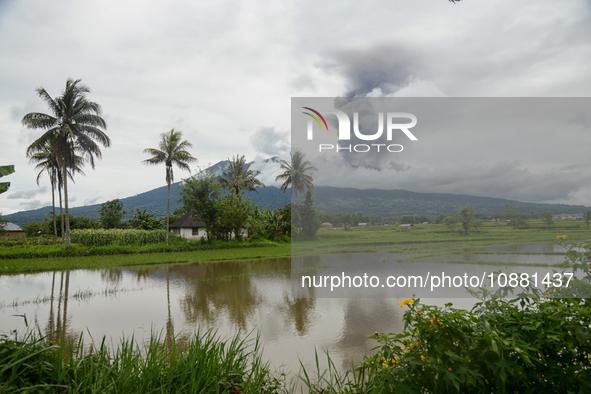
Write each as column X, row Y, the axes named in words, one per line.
column 426, row 240
column 204, row 364
column 11, row 266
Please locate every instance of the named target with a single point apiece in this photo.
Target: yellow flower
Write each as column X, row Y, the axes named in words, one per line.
column 389, row 362
column 422, row 357
column 406, row 301
column 449, row 369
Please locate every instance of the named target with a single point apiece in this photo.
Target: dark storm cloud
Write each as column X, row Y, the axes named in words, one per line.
column 388, row 68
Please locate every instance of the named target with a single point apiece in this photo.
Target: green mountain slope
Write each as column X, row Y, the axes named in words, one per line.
column 372, row 202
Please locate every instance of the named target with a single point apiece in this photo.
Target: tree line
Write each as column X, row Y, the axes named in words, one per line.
column 73, row 134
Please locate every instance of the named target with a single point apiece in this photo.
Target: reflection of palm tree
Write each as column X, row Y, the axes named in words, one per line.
column 296, row 174
column 74, row 126
column 299, row 310
column 57, row 326
column 172, row 151
column 169, row 323
column 238, row 175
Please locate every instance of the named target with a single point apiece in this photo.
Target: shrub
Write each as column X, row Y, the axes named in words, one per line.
column 500, row 346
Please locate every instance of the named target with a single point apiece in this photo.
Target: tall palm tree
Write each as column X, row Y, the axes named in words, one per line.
column 75, row 124
column 47, row 162
column 172, row 151
column 238, row 175
column 296, row 174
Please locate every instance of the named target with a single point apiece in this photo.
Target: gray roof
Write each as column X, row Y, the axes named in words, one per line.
column 188, row 221
column 11, row 227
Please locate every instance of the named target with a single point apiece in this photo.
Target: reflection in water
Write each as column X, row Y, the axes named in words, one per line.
column 298, row 311
column 178, row 299
column 362, row 318
column 206, row 300
column 112, row 276
column 57, row 326
column 169, row 323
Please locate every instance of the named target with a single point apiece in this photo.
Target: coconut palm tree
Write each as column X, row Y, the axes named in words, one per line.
column 296, row 174
column 75, row 125
column 172, row 151
column 238, row 175
column 47, row 162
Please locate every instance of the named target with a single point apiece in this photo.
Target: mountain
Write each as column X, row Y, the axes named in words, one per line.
column 386, row 203
column 371, row 202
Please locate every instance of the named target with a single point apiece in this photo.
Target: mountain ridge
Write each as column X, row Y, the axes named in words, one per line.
column 371, row 202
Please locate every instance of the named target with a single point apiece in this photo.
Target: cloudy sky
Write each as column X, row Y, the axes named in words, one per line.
column 224, row 73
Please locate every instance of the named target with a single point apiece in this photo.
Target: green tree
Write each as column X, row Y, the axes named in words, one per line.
column 547, row 216
column 296, row 174
column 238, row 176
column 172, row 152
column 477, row 223
column 5, row 170
column 34, row 229
column 519, row 223
column 145, row 220
column 587, row 218
column 233, row 214
column 451, row 222
column 201, row 194
column 308, row 220
column 75, row 126
column 509, row 212
column 111, row 213
column 467, row 218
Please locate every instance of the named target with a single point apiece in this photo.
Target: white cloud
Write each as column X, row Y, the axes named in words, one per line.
column 222, row 72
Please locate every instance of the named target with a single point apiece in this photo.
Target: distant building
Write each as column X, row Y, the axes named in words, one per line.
column 193, row 228
column 13, row 230
column 189, row 227
column 326, row 224
column 362, row 224
column 406, row 227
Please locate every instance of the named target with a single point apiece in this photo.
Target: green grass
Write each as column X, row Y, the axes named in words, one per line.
column 426, row 240
column 8, row 266
column 433, row 237
column 201, row 364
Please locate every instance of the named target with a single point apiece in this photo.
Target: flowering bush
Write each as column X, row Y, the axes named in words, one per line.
column 500, row 346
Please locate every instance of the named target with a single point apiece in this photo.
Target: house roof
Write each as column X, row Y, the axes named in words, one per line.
column 11, row 227
column 188, row 220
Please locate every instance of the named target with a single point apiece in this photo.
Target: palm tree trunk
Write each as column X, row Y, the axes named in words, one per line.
column 53, row 206
column 66, row 203
column 59, row 190
column 167, row 213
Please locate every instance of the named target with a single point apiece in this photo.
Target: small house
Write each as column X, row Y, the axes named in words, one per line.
column 189, row 227
column 12, row 229
column 326, row 225
column 193, row 228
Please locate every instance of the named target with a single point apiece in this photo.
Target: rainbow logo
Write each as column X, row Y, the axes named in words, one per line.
column 315, row 118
